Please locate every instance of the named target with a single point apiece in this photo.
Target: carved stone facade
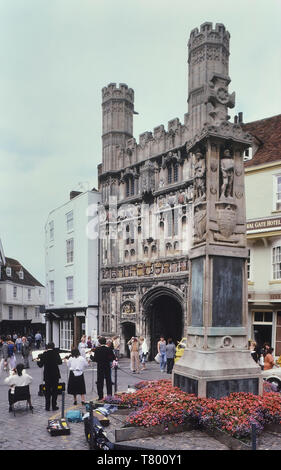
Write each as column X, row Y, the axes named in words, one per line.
column 155, row 195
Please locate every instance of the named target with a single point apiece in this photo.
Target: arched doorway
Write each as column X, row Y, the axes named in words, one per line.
column 164, row 316
column 128, row 330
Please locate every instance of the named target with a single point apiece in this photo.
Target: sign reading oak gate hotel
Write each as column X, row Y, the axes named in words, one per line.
column 263, row 224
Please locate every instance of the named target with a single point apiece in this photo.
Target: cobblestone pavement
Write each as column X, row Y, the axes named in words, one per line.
column 28, row 431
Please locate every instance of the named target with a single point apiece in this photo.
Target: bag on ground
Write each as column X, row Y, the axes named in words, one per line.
column 157, row 358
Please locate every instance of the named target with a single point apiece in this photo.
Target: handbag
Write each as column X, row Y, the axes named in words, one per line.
column 157, row 358
column 74, row 416
column 42, row 389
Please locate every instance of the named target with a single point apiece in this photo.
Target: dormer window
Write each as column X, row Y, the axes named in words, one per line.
column 9, row 271
column 21, row 275
column 248, row 154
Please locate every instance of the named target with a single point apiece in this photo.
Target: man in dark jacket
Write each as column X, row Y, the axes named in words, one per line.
column 103, row 357
column 50, row 360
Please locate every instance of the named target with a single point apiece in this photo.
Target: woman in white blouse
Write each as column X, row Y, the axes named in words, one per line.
column 76, row 382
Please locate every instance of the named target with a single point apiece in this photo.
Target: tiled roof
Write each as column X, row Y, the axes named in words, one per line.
column 28, row 279
column 267, row 133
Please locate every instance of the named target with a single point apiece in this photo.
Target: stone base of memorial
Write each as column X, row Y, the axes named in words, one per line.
column 215, row 374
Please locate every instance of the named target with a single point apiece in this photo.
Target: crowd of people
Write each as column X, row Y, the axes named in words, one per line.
column 105, row 352
column 166, row 352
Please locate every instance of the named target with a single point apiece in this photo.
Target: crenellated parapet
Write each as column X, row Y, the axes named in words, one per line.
column 112, row 91
column 117, row 121
column 208, row 34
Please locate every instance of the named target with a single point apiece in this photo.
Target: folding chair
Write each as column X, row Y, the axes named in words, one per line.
column 21, row 394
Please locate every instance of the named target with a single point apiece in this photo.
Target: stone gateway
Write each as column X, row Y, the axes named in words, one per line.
column 173, row 229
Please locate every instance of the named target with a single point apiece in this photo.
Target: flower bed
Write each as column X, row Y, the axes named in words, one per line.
column 158, row 402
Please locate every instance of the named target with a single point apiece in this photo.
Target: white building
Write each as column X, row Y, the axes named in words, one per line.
column 72, row 270
column 22, row 298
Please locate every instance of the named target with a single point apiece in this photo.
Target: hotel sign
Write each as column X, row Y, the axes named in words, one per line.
column 264, row 224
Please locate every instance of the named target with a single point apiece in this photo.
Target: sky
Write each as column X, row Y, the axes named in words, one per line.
column 57, row 55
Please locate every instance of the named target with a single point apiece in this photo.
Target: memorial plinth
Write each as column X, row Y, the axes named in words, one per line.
column 216, row 361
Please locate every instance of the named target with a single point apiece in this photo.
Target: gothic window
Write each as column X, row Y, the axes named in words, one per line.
column 173, row 173
column 170, row 174
column 176, row 173
column 106, row 323
column 172, row 222
column 130, row 186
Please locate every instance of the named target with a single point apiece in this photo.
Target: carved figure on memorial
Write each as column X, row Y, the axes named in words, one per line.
column 227, row 169
column 226, row 218
column 200, row 222
column 199, row 177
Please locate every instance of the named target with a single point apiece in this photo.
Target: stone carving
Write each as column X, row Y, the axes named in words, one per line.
column 226, row 218
column 227, row 342
column 227, row 169
column 166, row 268
column 200, row 222
column 171, row 157
column 128, row 308
column 147, row 173
column 214, row 166
column 199, row 177
column 218, row 96
column 140, row 269
column 224, row 129
column 158, row 268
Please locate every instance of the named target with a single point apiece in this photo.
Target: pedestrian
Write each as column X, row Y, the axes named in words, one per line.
column 38, row 339
column 76, row 382
column 254, row 351
column 50, row 360
column 17, row 379
column 25, row 350
column 18, row 344
column 143, row 352
column 89, row 342
column 11, row 353
column 161, row 348
column 116, row 346
column 30, row 339
column 82, row 346
column 109, row 344
column 134, row 346
column 4, row 355
column 170, row 353
column 103, row 356
column 268, row 359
